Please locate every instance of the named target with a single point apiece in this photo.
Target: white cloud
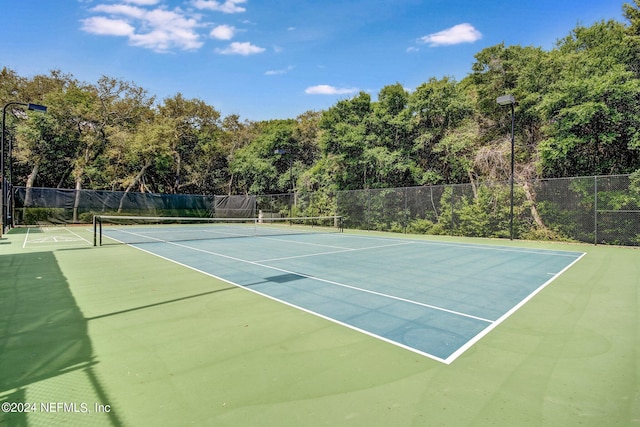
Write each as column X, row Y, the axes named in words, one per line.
column 228, row 6
column 223, row 32
column 107, row 27
column 279, row 72
column 241, row 48
column 121, row 9
column 151, row 24
column 328, row 90
column 143, row 2
column 158, row 28
column 461, row 33
column 163, row 41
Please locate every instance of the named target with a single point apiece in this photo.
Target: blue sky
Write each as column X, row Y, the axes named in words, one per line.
column 278, row 58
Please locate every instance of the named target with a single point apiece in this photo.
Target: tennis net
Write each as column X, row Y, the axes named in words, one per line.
column 114, row 229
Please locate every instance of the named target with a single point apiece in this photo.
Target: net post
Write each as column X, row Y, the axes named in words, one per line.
column 100, row 229
column 95, row 228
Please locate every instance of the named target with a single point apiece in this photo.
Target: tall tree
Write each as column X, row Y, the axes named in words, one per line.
column 437, row 108
column 43, row 146
column 343, row 140
column 196, row 130
column 236, row 135
column 592, row 109
column 124, row 110
column 390, row 139
column 257, row 168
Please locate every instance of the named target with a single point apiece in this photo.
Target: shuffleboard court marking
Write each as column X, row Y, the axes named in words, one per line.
column 51, row 237
column 78, row 236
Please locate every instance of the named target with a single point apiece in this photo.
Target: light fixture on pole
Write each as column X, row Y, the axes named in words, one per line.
column 6, row 187
column 510, row 100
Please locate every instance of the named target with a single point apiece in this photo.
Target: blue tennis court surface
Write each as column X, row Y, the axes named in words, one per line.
column 434, row 298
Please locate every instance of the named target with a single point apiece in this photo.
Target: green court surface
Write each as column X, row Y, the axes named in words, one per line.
column 115, row 335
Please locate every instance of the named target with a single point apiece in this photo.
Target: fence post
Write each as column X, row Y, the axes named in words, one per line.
column 368, row 211
column 453, row 190
column 595, row 210
column 405, row 214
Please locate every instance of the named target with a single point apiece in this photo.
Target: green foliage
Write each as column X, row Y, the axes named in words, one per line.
column 421, row 226
column 593, row 125
column 42, row 215
column 578, row 113
column 258, row 169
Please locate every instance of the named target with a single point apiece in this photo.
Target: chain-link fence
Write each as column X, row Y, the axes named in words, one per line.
column 44, row 206
column 312, row 204
column 603, row 209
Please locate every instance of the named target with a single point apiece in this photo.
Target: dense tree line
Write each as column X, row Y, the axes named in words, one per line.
column 578, row 113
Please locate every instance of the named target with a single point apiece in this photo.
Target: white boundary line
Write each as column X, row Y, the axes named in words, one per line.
column 549, row 252
column 78, row 236
column 26, row 237
column 332, row 252
column 502, row 318
column 491, row 323
column 331, row 282
column 331, row 319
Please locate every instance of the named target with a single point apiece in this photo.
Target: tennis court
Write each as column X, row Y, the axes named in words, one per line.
column 436, row 299
column 349, row 329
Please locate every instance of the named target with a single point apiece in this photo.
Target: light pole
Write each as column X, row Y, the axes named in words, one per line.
column 6, row 188
column 282, row 151
column 510, row 100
